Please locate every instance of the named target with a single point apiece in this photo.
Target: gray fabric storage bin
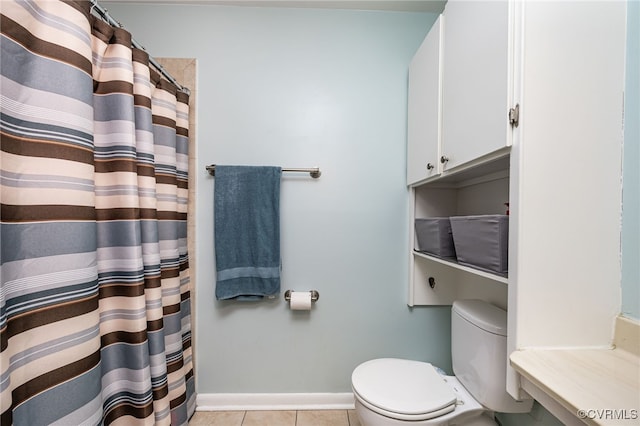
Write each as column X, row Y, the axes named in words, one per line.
column 482, row 241
column 434, row 236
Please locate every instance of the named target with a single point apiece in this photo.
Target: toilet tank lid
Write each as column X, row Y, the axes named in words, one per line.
column 483, row 315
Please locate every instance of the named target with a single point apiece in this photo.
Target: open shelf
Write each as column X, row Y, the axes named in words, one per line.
column 455, row 265
column 479, row 187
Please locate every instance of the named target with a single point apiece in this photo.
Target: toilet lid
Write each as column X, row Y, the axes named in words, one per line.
column 404, row 387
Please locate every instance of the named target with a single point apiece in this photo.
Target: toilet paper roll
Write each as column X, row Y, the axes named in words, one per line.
column 300, row 301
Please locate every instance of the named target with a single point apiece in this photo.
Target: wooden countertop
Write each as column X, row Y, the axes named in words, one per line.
column 598, row 386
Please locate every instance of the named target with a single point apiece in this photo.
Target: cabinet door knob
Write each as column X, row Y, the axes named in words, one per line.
column 443, row 159
column 430, row 166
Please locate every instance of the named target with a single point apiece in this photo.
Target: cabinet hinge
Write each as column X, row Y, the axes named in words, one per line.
column 514, row 115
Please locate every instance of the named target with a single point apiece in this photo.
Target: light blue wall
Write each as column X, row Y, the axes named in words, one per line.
column 298, row 88
column 631, row 169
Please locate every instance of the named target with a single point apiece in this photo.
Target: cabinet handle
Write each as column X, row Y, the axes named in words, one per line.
column 430, row 166
column 443, row 159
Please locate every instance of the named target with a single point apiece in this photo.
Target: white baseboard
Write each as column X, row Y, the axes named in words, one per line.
column 274, row 401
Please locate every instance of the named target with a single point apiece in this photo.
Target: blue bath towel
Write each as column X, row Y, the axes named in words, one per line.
column 247, row 232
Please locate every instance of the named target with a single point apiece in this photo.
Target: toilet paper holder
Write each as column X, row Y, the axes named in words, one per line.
column 314, row 295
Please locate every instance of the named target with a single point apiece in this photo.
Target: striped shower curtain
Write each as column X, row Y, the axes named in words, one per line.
column 95, row 319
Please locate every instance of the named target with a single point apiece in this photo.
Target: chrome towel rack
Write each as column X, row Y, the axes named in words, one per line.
column 314, row 172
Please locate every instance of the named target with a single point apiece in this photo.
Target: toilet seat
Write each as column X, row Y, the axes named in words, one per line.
column 403, row 389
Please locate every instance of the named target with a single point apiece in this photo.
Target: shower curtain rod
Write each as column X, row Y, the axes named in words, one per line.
column 314, row 172
column 104, row 14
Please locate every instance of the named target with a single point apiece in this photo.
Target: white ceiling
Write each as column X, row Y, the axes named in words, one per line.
column 433, row 6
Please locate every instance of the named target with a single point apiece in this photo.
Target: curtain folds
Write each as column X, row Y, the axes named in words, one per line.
column 95, row 303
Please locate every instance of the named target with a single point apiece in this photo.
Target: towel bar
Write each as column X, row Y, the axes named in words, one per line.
column 314, row 295
column 314, row 172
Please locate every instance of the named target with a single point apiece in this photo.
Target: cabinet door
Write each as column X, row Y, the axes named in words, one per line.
column 476, row 80
column 423, row 130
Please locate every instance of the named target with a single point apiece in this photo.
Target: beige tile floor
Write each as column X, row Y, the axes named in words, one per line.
column 275, row 418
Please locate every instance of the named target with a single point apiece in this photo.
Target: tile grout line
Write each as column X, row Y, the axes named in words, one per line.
column 298, row 421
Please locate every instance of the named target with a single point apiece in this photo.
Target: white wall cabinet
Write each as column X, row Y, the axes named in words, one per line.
column 423, row 130
column 460, row 89
column 477, row 80
column 560, row 168
column 470, row 58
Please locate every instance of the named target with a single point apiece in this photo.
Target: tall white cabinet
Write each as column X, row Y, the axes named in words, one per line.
column 458, row 154
column 530, row 115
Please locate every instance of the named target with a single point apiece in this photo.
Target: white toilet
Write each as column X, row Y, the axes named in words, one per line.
column 391, row 391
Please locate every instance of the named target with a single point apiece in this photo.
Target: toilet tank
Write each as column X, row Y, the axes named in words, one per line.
column 479, row 352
